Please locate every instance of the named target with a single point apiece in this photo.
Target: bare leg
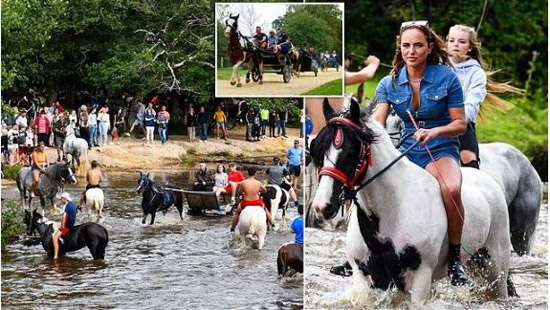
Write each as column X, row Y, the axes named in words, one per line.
column 55, row 238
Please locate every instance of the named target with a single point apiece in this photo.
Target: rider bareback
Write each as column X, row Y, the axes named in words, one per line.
column 251, row 197
column 39, row 160
column 68, row 221
column 94, row 177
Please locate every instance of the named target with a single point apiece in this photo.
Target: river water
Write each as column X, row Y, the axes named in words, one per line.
column 189, row 264
column 325, row 290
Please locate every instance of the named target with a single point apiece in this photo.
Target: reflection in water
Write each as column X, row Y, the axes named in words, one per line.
column 172, row 264
column 325, row 290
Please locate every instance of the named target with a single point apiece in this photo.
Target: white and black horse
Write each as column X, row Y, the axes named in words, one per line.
column 76, row 147
column 276, row 198
column 91, row 235
column 397, row 233
column 240, row 51
column 51, row 183
column 158, row 198
column 517, row 177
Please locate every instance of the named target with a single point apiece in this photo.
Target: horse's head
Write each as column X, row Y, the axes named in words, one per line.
column 144, row 182
column 342, row 151
column 32, row 220
column 231, row 25
column 66, row 173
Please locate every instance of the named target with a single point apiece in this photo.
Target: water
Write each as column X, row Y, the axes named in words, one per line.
column 171, row 265
column 325, row 290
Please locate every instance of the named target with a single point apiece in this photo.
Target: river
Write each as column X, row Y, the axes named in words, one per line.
column 325, row 290
column 172, row 265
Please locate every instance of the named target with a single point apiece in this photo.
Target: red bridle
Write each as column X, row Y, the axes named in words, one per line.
column 365, row 159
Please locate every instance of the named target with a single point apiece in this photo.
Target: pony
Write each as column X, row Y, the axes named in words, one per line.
column 397, row 233
column 51, row 183
column 240, row 51
column 290, row 256
column 158, row 198
column 91, row 235
column 252, row 226
column 276, row 198
column 518, row 179
column 95, row 200
column 76, row 147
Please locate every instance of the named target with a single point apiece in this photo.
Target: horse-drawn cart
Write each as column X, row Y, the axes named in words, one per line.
column 279, row 63
column 205, row 202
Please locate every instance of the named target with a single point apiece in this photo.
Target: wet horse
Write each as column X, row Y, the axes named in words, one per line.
column 252, row 226
column 91, row 235
column 290, row 256
column 516, row 176
column 240, row 51
column 158, row 198
column 276, row 198
column 95, row 200
column 51, row 183
column 397, row 233
column 76, row 147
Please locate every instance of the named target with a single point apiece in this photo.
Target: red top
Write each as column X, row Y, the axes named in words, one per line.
column 236, row 176
column 42, row 124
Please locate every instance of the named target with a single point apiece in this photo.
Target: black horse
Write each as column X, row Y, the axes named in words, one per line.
column 158, row 198
column 92, row 235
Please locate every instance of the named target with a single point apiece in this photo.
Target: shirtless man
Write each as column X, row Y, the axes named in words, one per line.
column 94, row 177
column 251, row 197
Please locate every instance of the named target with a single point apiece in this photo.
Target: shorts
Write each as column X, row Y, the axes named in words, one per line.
column 421, row 157
column 468, row 141
column 44, row 137
column 34, row 167
column 285, row 186
column 58, row 140
column 221, row 125
column 294, row 170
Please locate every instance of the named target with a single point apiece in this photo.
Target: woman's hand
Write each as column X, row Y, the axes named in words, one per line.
column 424, row 135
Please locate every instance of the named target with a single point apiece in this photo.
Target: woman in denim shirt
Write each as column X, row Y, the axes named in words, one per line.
column 423, row 83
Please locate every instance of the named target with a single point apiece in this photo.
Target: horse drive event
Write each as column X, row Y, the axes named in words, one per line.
column 279, row 50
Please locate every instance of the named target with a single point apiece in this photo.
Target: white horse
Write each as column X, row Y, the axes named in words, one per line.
column 252, row 226
column 516, row 176
column 398, row 232
column 76, row 147
column 94, row 202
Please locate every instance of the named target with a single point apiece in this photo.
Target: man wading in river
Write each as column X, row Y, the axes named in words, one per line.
column 94, row 177
column 251, row 197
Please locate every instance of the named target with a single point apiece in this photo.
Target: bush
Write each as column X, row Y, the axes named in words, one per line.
column 12, row 223
column 11, row 172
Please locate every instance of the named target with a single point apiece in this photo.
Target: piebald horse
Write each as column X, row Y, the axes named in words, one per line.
column 397, row 235
column 518, row 179
column 239, row 50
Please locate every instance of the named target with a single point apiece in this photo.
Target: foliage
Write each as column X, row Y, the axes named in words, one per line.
column 12, row 223
column 332, row 88
column 11, row 172
column 292, row 105
column 115, row 46
column 9, row 111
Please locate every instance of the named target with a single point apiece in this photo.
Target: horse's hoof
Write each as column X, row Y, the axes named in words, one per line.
column 232, row 82
column 260, row 82
column 239, row 84
column 247, row 80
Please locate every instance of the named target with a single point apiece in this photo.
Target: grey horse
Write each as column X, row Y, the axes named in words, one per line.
column 51, row 183
column 516, row 176
column 76, row 147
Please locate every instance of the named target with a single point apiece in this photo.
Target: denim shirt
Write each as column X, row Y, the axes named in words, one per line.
column 440, row 90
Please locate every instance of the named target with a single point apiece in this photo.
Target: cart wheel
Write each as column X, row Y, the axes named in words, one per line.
column 315, row 71
column 286, row 73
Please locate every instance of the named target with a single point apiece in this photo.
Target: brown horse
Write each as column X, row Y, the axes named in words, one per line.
column 290, row 256
column 237, row 53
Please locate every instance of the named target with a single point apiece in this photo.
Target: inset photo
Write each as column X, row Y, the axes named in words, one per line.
column 279, row 49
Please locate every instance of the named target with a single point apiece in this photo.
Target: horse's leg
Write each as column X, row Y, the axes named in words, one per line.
column 237, row 71
column 421, row 284
column 153, row 214
column 144, row 218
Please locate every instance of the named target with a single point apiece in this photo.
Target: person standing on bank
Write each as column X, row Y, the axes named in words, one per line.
column 149, row 119
column 191, row 124
column 423, row 83
column 163, row 118
column 202, row 119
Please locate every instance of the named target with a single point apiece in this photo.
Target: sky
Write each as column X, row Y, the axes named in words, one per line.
column 266, row 13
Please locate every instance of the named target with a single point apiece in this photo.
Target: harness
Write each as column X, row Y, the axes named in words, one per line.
column 354, row 184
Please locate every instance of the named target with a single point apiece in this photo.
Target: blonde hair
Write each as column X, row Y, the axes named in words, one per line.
column 438, row 55
column 493, row 87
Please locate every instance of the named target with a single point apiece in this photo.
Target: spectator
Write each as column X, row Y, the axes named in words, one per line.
column 282, row 122
column 92, row 125
column 59, row 126
column 220, row 118
column 202, row 119
column 103, row 124
column 221, row 180
column 295, row 155
column 139, row 119
column 264, row 115
column 118, row 128
column 42, row 127
column 191, row 123
column 83, row 123
column 250, row 117
column 21, row 119
column 163, row 118
column 149, row 118
column 273, row 124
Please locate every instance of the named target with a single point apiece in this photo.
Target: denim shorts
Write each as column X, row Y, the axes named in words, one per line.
column 420, row 156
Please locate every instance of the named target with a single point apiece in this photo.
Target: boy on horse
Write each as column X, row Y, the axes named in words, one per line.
column 251, row 197
column 68, row 221
column 39, row 162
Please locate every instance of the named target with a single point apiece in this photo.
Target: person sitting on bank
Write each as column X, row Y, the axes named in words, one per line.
column 67, row 223
column 203, row 177
column 235, row 179
column 220, row 180
column 251, row 197
column 94, row 177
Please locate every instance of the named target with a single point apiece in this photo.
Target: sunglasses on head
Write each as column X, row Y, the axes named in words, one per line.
column 415, row 23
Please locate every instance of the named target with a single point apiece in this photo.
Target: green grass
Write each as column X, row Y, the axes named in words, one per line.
column 332, row 88
column 225, row 73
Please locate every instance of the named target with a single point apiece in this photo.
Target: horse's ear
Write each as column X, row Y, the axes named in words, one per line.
column 355, row 110
column 236, row 17
column 148, row 174
column 327, row 110
column 140, row 174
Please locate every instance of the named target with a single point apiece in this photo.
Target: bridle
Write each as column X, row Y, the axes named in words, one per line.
column 352, row 185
